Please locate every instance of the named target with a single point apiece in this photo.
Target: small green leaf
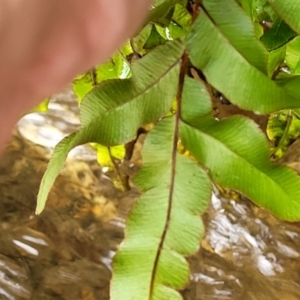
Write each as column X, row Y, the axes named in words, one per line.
column 150, row 263
column 105, row 154
column 278, row 35
column 42, row 107
column 116, row 67
column 83, row 84
column 283, row 129
column 182, row 17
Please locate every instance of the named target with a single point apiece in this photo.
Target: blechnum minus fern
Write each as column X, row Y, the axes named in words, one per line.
column 168, row 76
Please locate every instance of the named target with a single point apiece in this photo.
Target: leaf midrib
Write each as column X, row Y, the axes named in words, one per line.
column 148, row 87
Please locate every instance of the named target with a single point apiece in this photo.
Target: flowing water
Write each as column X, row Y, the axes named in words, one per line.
column 66, row 252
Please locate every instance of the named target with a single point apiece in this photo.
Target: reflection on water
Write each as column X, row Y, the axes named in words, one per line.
column 47, row 129
column 66, row 252
column 246, row 254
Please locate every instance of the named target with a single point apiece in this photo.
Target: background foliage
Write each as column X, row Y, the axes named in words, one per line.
column 190, row 62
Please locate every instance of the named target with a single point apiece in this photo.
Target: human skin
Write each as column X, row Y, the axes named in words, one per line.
column 44, row 44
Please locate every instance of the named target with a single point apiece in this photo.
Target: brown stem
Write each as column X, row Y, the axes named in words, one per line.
column 93, row 76
column 196, row 10
column 276, row 72
column 183, row 72
column 124, row 179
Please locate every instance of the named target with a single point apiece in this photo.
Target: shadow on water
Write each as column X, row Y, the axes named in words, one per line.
column 66, row 252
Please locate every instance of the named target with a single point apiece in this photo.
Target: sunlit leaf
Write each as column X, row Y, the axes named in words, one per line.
column 182, row 17
column 173, row 31
column 276, row 125
column 116, row 67
column 165, row 224
column 83, row 84
column 109, row 159
column 106, row 154
column 42, row 107
column 283, row 129
column 126, row 49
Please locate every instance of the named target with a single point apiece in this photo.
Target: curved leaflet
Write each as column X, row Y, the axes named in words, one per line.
column 227, row 69
column 114, row 110
column 236, row 154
